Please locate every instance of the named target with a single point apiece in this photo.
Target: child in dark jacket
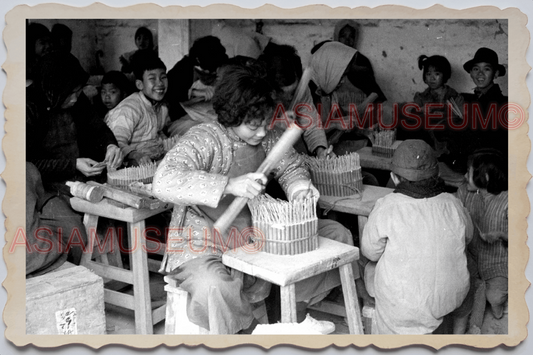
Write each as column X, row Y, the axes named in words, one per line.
column 484, row 105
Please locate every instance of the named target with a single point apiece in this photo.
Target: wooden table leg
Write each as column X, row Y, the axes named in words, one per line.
column 115, row 253
column 141, row 282
column 288, row 304
column 353, row 312
column 91, row 222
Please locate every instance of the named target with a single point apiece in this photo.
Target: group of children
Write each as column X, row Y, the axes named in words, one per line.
column 470, row 111
column 429, row 250
column 417, row 239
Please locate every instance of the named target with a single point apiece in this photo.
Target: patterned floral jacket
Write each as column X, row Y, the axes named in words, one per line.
column 195, row 171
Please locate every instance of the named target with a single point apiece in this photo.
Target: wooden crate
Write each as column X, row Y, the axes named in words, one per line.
column 67, row 301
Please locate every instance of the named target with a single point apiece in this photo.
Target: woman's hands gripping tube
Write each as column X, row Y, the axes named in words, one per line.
column 247, row 185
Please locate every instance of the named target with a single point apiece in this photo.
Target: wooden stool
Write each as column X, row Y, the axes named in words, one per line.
column 138, row 275
column 285, row 271
column 177, row 322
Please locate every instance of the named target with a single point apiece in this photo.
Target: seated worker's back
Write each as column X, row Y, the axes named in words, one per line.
column 417, row 235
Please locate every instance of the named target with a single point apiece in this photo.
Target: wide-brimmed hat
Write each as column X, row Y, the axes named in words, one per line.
column 415, row 160
column 486, row 55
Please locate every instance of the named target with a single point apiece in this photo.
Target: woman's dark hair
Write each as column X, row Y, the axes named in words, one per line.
column 282, row 63
column 34, row 31
column 146, row 32
column 57, row 75
column 143, row 60
column 119, row 80
column 242, row 94
column 490, row 170
column 440, row 63
column 62, row 37
column 208, row 53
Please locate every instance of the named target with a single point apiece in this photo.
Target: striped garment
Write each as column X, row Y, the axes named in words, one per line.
column 490, row 215
column 138, row 125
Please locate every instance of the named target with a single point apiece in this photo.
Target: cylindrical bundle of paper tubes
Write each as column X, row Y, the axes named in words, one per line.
column 283, row 227
column 340, row 176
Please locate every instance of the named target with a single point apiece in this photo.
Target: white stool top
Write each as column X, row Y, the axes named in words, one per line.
column 284, row 270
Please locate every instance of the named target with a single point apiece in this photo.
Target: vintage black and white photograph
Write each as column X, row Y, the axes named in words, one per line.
column 264, row 177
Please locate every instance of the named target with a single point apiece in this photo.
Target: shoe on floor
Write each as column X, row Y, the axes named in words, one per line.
column 321, row 326
column 497, row 311
column 308, row 326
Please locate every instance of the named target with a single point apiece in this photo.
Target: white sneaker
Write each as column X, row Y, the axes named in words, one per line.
column 320, row 326
column 308, row 326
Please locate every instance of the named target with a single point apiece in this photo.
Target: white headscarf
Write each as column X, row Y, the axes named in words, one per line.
column 329, row 63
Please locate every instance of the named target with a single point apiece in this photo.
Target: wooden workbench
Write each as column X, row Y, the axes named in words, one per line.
column 370, row 161
column 360, row 204
column 146, row 313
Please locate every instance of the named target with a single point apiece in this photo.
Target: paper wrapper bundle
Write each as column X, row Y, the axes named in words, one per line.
column 284, row 228
column 383, row 143
column 340, row 176
column 124, row 177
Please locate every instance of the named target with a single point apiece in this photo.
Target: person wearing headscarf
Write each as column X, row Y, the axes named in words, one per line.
column 346, row 32
column 361, row 74
column 330, row 65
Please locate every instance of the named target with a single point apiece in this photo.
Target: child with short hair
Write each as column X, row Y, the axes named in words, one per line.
column 144, row 40
column 485, row 196
column 208, row 167
column 416, row 237
column 115, row 87
column 139, row 120
column 436, row 71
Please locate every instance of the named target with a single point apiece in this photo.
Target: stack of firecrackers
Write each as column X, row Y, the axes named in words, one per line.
column 124, row 177
column 340, row 176
column 283, row 227
column 383, row 143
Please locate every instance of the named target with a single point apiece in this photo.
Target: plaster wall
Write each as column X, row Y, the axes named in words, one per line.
column 393, row 46
column 103, row 39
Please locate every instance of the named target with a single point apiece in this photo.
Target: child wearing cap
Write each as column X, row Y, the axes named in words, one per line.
column 416, row 237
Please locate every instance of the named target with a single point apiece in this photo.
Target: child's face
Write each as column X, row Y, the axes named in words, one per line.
column 286, row 94
column 252, row 132
column 42, row 46
column 111, row 95
column 434, row 78
column 142, row 42
column 154, row 84
column 483, row 74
